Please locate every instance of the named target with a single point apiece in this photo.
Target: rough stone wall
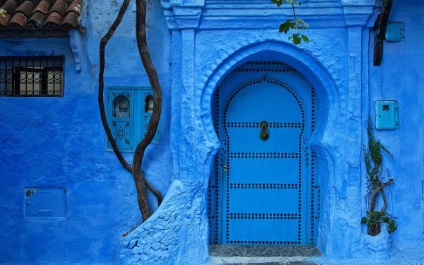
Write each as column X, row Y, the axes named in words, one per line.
column 157, row 240
column 172, row 235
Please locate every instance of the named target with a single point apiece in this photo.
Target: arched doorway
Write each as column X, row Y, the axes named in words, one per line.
column 263, row 190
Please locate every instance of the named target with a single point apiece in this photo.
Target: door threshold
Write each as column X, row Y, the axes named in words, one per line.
column 233, row 254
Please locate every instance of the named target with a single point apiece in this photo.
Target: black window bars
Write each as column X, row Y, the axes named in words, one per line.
column 31, row 76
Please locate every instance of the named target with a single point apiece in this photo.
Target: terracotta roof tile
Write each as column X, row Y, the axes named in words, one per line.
column 37, row 18
column 76, row 6
column 17, row 21
column 10, row 6
column 38, row 15
column 53, row 21
column 42, row 15
column 42, row 7
column 25, row 8
column 70, row 21
column 58, row 7
column 4, row 19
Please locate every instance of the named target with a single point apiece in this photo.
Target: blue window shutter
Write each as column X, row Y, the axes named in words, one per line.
column 147, row 96
column 128, row 115
column 120, row 112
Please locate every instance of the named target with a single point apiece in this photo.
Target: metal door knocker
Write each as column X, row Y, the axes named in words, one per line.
column 264, row 135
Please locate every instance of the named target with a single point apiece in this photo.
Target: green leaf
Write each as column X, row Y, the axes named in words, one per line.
column 300, row 24
column 296, row 24
column 296, row 39
column 364, row 220
column 392, row 227
column 277, row 2
column 305, row 38
column 285, row 27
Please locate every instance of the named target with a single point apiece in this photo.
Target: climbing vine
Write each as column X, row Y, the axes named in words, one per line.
column 295, row 24
column 373, row 159
column 140, row 181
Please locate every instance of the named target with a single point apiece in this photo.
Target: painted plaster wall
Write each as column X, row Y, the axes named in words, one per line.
column 337, row 62
column 334, row 64
column 63, row 145
column 60, row 143
column 56, row 147
column 401, row 78
column 219, row 50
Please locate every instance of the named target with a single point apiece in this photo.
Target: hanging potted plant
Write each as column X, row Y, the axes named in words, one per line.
column 377, row 180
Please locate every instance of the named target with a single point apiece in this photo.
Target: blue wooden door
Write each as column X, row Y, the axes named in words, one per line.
column 264, row 184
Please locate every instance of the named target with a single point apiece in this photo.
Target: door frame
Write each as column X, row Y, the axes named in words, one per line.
column 309, row 236
column 327, row 151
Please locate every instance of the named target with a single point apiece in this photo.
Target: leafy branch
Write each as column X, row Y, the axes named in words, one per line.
column 294, row 24
column 373, row 159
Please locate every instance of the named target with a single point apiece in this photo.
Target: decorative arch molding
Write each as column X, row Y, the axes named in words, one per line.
column 309, row 68
column 277, row 51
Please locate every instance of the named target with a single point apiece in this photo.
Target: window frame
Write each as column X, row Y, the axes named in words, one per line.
column 12, row 67
column 134, row 126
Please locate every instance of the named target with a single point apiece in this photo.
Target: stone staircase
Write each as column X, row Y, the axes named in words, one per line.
column 262, row 255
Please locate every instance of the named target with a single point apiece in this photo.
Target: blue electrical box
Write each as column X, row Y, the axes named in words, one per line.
column 386, row 115
column 395, row 31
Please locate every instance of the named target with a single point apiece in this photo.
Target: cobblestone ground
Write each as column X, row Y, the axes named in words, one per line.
column 263, row 251
column 277, row 263
column 372, row 261
column 303, row 255
column 265, row 255
column 413, row 256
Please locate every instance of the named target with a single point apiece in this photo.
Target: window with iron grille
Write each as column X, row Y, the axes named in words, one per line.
column 34, row 76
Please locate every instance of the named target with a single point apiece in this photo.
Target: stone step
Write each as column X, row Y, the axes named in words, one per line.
column 266, row 255
column 276, row 263
column 259, row 261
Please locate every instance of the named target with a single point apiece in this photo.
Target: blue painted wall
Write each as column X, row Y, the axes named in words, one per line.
column 400, row 78
column 60, row 143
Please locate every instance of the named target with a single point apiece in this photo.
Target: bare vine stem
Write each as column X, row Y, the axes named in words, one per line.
column 140, row 181
column 294, row 17
column 377, row 189
column 157, row 106
column 103, row 43
column 294, row 11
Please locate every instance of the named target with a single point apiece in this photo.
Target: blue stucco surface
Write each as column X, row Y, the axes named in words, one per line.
column 60, row 142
